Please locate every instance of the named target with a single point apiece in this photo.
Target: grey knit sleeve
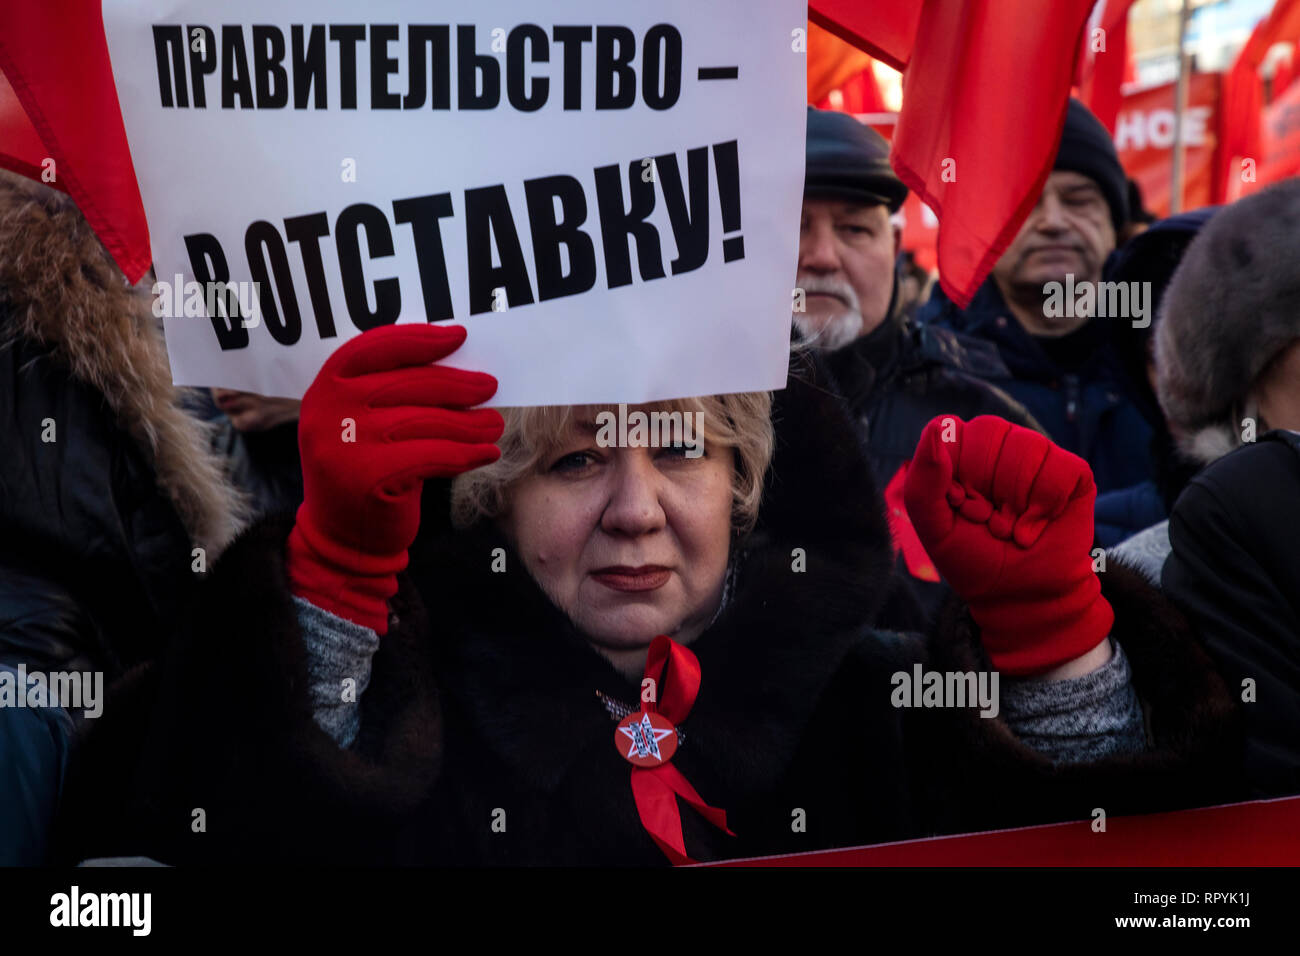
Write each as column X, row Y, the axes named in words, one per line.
column 338, row 669
column 1080, row 719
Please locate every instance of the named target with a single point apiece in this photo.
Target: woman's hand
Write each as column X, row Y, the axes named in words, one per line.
column 378, row 420
column 1007, row 518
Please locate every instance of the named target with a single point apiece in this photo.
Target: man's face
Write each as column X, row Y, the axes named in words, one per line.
column 1068, row 232
column 846, row 269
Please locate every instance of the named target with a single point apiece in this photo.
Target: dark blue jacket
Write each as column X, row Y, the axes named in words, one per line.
column 1086, row 411
column 1124, row 512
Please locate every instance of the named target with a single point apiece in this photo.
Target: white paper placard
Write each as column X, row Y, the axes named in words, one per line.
column 605, row 194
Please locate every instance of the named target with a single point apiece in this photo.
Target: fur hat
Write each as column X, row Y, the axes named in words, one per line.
column 1232, row 306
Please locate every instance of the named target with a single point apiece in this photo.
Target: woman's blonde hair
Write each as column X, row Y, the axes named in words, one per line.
column 740, row 421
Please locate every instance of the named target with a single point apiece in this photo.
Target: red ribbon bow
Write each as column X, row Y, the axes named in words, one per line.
column 656, row 789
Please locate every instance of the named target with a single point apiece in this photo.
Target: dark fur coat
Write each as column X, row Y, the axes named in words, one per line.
column 483, row 707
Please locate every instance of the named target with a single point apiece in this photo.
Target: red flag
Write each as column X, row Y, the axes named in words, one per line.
column 985, row 85
column 840, row 76
column 831, row 62
column 885, row 30
column 1102, row 71
column 21, row 149
column 1285, row 73
column 1243, row 100
column 55, row 57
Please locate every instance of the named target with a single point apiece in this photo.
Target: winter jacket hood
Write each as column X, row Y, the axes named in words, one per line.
column 105, row 482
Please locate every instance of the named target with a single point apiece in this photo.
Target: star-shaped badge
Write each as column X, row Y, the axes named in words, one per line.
column 650, row 739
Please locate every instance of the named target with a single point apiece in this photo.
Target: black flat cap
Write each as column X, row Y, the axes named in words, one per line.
column 849, row 160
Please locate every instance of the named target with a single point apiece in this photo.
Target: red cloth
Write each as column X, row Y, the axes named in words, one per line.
column 857, row 95
column 376, row 422
column 885, row 30
column 1284, row 74
column 985, row 85
column 54, row 55
column 1102, row 80
column 1259, row 833
column 1243, row 99
column 675, row 671
column 906, row 541
column 1007, row 517
column 21, row 149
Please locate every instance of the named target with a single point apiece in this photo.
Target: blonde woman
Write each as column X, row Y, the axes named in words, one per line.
column 584, row 652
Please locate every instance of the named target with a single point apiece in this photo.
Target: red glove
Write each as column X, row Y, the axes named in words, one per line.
column 1007, row 518
column 377, row 421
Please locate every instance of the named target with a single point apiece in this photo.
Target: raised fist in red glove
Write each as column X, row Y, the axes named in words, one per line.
column 376, row 422
column 1007, row 518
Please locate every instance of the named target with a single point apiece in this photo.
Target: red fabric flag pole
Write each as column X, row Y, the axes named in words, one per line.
column 55, row 58
column 985, row 86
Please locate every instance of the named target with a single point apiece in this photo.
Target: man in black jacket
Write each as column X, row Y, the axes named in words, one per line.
column 1233, row 570
column 894, row 376
column 106, row 487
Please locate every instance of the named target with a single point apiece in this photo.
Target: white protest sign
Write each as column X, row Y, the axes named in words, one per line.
column 605, row 194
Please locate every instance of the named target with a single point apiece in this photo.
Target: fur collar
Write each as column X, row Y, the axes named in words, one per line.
column 1193, row 725
column 64, row 292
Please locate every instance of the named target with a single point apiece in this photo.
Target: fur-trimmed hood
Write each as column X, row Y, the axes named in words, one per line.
column 1231, row 307
column 60, row 291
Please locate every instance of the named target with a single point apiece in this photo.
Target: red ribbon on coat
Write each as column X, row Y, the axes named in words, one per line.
column 656, row 789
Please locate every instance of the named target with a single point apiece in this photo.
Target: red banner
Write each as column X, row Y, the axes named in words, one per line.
column 1144, row 136
column 1259, row 833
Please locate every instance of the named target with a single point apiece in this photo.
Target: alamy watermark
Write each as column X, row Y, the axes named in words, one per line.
column 638, row 429
column 948, row 689
column 1105, row 300
column 71, row 690
column 130, row 910
column 197, row 300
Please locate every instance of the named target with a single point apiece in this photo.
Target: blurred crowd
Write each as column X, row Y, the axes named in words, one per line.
column 421, row 644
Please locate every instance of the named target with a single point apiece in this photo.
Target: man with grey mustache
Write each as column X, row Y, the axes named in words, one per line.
column 894, row 375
